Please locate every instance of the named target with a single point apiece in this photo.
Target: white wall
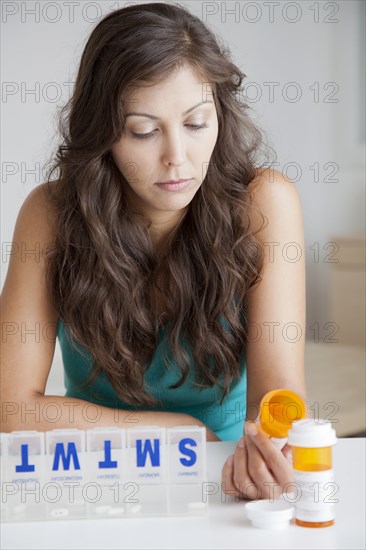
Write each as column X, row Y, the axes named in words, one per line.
column 315, row 45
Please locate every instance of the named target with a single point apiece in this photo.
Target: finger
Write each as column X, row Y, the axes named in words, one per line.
column 227, row 480
column 276, row 462
column 266, row 486
column 287, row 452
column 241, row 476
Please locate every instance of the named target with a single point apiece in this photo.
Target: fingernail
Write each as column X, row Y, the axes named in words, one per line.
column 251, row 429
column 230, row 460
column 241, row 442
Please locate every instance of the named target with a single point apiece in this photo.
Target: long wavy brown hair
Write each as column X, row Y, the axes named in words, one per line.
column 103, row 266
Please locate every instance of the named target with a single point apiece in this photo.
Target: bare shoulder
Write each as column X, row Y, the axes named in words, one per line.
column 37, row 215
column 273, row 195
column 269, row 182
column 39, row 197
column 27, row 305
column 34, row 229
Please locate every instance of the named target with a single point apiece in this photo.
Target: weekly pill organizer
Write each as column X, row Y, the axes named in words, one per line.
column 103, row 473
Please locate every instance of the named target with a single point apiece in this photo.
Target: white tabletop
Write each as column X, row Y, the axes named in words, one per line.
column 225, row 525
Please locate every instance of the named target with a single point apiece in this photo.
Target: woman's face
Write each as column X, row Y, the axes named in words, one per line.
column 170, row 133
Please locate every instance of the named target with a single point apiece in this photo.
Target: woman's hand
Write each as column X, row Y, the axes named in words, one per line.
column 210, row 435
column 257, row 469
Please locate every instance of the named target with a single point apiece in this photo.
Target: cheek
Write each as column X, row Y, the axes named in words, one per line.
column 208, row 147
column 126, row 161
column 215, row 134
column 209, row 143
column 117, row 156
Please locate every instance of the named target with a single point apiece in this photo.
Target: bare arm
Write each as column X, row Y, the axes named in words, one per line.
column 49, row 412
column 28, row 323
column 276, row 306
column 275, row 352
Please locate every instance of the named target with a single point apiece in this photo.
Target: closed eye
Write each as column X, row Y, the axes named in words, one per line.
column 193, row 127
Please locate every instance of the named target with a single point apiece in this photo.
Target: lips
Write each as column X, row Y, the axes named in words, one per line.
column 182, row 184
column 168, row 182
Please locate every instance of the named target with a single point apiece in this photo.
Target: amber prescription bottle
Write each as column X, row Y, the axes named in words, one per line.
column 311, row 441
column 277, row 411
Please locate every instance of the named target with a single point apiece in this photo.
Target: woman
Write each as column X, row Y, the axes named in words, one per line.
column 163, row 241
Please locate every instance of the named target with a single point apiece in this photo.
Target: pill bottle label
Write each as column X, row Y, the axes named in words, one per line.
column 316, row 492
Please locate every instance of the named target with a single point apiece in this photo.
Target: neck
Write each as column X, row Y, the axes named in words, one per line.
column 160, row 229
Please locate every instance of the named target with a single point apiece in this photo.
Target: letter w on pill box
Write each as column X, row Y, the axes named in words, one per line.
column 103, row 472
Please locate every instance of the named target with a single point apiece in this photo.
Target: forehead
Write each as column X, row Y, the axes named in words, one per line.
column 180, row 88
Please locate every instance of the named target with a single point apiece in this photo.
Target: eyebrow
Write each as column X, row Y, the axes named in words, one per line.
column 157, row 118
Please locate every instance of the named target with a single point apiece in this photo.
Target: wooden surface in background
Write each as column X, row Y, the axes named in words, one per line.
column 335, row 378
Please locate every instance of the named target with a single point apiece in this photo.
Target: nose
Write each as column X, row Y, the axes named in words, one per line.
column 174, row 149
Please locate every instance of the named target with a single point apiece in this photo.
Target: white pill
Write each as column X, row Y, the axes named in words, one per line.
column 116, row 511
column 135, row 509
column 59, row 513
column 19, row 508
column 102, row 509
column 196, row 505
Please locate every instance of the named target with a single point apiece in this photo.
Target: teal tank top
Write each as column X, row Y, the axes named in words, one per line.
column 225, row 420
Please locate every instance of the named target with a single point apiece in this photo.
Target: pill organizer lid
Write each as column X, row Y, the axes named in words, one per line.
column 311, row 433
column 270, row 514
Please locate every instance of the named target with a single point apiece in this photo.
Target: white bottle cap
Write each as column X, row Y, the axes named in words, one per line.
column 310, row 433
column 270, row 514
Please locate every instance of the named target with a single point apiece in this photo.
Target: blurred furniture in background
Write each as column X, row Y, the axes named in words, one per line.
column 335, row 381
column 347, row 289
column 335, row 365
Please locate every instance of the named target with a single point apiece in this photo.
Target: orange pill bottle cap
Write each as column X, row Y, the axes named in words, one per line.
column 278, row 410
